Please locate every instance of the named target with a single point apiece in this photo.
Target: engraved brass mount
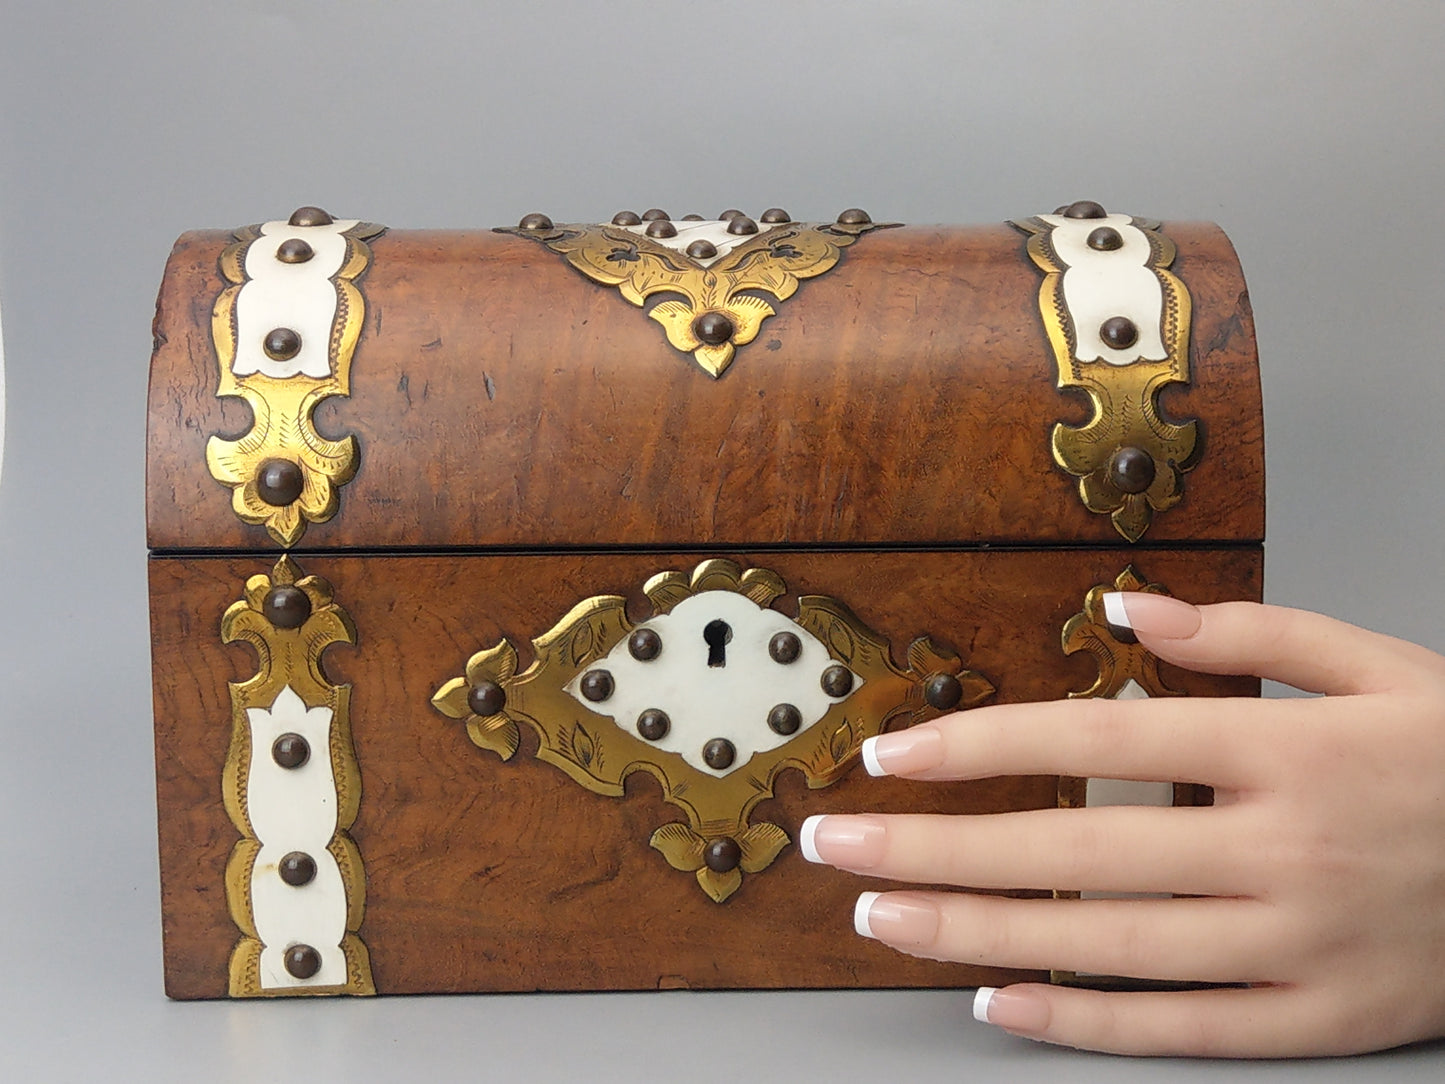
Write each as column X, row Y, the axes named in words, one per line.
column 564, row 697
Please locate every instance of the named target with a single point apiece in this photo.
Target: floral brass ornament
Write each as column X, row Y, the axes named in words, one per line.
column 710, row 304
column 285, row 330
column 1118, row 322
column 561, row 698
column 292, row 786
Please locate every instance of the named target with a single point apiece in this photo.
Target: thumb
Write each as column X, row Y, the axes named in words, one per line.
column 1307, row 650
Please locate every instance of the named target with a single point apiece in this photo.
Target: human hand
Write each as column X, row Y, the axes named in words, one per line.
column 1321, row 865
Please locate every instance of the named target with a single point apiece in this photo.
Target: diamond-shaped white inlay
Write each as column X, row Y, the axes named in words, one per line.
column 731, row 700
column 714, row 231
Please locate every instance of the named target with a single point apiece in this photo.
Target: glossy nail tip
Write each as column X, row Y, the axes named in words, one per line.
column 870, row 758
column 861, row 911
column 807, row 838
column 983, row 997
column 1114, row 610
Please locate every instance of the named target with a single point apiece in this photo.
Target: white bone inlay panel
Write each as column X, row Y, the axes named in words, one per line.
column 294, row 809
column 299, row 296
column 707, row 230
column 731, row 701
column 1100, row 285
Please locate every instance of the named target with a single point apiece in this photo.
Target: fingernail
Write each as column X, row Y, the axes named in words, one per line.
column 896, row 918
column 903, row 753
column 837, row 840
column 1153, row 615
column 1013, row 1010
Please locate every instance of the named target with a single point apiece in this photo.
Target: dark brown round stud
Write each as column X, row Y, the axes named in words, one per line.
column 281, row 344
column 655, row 214
column 719, row 754
column 713, row 328
column 692, row 218
column 290, row 751
column 702, row 250
column 943, row 691
column 854, row 216
column 627, row 218
column 1119, row 332
column 535, row 221
column 775, row 216
column 722, row 854
column 1085, row 208
column 302, row 961
column 286, row 607
column 661, row 227
column 309, row 216
column 644, row 645
column 486, row 698
column 785, row 719
column 1131, row 469
column 1105, row 239
column 730, row 214
column 294, row 250
column 653, row 724
column 297, row 868
column 1061, row 209
column 785, row 647
column 597, row 685
column 837, row 681
column 742, row 225
column 279, row 482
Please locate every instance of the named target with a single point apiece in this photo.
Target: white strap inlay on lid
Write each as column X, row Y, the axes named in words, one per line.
column 714, row 232
column 299, row 296
column 1101, row 285
column 294, row 809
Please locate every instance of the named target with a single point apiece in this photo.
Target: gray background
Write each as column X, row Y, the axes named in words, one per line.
column 1310, row 131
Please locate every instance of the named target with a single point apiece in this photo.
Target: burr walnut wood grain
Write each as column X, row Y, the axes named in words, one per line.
column 906, row 396
column 485, row 875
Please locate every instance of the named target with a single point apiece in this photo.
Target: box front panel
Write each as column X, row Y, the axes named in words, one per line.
column 460, row 870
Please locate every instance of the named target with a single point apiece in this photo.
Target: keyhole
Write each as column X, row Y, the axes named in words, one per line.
column 717, row 634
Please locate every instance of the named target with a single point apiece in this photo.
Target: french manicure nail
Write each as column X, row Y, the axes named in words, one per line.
column 1013, row 1010
column 897, row 918
column 1151, row 614
column 903, row 753
column 840, row 840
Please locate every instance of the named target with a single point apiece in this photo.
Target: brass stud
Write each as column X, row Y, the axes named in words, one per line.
column 785, row 647
column 722, row 854
column 653, row 724
column 661, row 227
column 626, row 218
column 730, row 214
column 854, row 216
column 535, row 221
column 1085, row 208
column 712, row 328
column 286, row 607
column 837, row 681
column 943, row 691
column 776, row 216
column 1106, row 239
column 1119, row 332
column 302, row 961
column 1131, row 469
column 785, row 719
column 486, row 698
column 719, row 754
column 294, row 250
column 655, row 214
column 702, row 250
column 692, row 218
column 281, row 344
column 290, row 751
column 279, row 482
column 644, row 645
column 309, row 216
column 297, row 868
column 742, row 225
column 597, row 685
